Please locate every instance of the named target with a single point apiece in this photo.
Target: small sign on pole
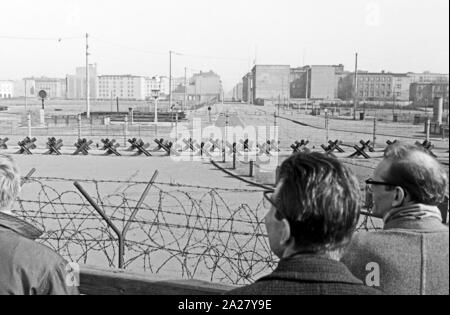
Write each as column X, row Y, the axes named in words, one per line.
column 43, row 95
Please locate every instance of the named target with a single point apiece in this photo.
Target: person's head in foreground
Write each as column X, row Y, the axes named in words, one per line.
column 312, row 215
column 26, row 267
column 9, row 183
column 315, row 207
column 408, row 177
column 407, row 187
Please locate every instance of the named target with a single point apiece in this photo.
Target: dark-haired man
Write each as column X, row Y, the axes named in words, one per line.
column 311, row 218
column 411, row 255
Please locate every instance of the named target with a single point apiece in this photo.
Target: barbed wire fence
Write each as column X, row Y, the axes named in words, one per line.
column 182, row 231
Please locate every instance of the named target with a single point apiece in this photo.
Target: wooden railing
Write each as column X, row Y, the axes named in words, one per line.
column 98, row 281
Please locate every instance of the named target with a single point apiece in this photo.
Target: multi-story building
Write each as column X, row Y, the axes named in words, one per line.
column 125, row 87
column 25, row 87
column 400, row 87
column 370, row 86
column 154, row 84
column 247, row 88
column 76, row 84
column 271, row 83
column 428, row 77
column 298, row 81
column 323, row 81
column 236, row 94
column 374, row 86
column 56, row 88
column 6, row 89
column 177, row 82
column 423, row 94
column 205, row 87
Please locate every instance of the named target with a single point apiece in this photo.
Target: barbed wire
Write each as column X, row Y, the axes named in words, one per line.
column 208, row 233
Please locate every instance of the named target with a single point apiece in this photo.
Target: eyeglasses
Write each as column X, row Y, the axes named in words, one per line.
column 370, row 181
column 268, row 201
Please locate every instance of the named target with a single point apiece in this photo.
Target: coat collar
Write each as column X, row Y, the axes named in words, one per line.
column 24, row 229
column 312, row 268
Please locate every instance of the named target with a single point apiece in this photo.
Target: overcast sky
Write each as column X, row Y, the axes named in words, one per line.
column 134, row 36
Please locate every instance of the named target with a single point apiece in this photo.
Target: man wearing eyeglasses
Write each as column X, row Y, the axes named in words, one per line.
column 411, row 254
column 311, row 217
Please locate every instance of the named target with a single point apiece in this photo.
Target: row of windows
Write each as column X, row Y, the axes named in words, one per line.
column 378, row 86
column 372, row 93
column 121, row 95
column 109, row 91
column 375, row 79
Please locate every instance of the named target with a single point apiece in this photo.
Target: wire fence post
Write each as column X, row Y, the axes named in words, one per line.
column 234, row 158
column 29, row 125
column 251, row 168
column 108, row 222
column 121, row 235
column 427, row 129
column 79, row 126
column 374, row 132
column 176, row 127
column 131, row 113
column 125, row 130
column 91, row 122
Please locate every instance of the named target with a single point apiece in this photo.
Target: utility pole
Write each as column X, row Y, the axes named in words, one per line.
column 306, row 89
column 88, row 105
column 26, row 96
column 289, row 91
column 355, row 93
column 170, row 79
column 185, row 87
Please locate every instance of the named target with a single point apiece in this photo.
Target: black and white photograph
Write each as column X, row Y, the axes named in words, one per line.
column 225, row 154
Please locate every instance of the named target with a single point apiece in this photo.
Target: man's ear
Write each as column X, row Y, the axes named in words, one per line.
column 399, row 197
column 285, row 233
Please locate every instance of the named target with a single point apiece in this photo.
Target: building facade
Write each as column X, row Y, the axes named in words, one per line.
column 25, row 87
column 428, row 77
column 237, row 93
column 177, row 82
column 400, row 87
column 76, row 84
column 375, row 86
column 56, row 88
column 393, row 87
column 247, row 88
column 6, row 89
column 370, row 86
column 324, row 81
column 298, row 82
column 270, row 83
column 423, row 94
column 153, row 84
column 124, row 87
column 205, row 87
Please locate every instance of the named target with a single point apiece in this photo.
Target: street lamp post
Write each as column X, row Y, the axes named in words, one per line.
column 155, row 94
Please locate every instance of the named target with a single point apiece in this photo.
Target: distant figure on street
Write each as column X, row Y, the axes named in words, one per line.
column 411, row 255
column 312, row 215
column 26, row 267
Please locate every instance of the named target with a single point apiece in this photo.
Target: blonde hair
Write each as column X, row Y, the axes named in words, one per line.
column 9, row 182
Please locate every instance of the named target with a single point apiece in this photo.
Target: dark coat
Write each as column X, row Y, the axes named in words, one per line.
column 412, row 255
column 308, row 275
column 26, row 267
